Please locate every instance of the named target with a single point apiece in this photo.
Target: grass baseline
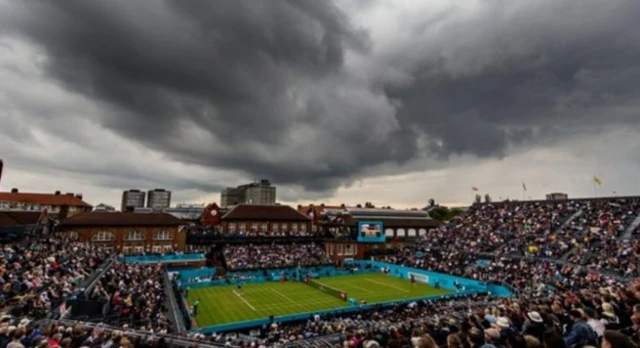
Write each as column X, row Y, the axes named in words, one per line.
column 225, row 305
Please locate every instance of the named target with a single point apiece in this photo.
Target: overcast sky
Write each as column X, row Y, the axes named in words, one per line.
column 393, row 102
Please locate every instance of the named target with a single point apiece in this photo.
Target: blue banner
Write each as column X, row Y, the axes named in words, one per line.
column 371, row 232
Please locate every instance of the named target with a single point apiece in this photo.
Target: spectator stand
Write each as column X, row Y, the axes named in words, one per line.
column 149, row 339
column 82, row 291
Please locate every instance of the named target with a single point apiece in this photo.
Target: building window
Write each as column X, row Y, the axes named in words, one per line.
column 163, row 235
column 412, row 232
column 254, row 226
column 401, row 232
column 134, row 235
column 274, row 228
column 232, row 227
column 349, row 249
column 74, row 235
column 242, row 227
column 303, row 228
column 264, row 227
column 389, row 232
column 294, row 228
column 284, row 227
column 103, row 236
column 314, row 228
column 422, row 232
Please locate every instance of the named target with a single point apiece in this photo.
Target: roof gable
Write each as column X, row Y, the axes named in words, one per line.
column 42, row 198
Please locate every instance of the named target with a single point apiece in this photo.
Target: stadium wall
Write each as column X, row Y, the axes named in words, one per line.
column 186, row 274
column 445, row 280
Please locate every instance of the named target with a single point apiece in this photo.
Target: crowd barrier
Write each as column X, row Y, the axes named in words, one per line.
column 468, row 287
column 190, row 273
column 432, row 278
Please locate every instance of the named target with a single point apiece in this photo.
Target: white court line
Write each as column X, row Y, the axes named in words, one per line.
column 355, row 286
column 245, row 301
column 387, row 285
column 282, row 295
column 361, row 288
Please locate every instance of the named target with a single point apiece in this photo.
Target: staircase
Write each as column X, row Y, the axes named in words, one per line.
column 571, row 218
column 631, row 228
column 565, row 224
column 216, row 259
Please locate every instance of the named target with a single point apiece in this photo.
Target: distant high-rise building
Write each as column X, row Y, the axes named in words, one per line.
column 132, row 198
column 261, row 192
column 231, row 196
column 158, row 198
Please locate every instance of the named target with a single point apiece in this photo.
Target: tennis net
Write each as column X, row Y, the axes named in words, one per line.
column 329, row 290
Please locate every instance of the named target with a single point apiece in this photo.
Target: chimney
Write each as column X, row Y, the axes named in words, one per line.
column 69, row 194
column 79, row 196
column 57, row 193
column 342, row 205
column 299, row 206
column 14, row 190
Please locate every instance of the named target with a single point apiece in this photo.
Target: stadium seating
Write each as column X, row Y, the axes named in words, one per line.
column 253, row 256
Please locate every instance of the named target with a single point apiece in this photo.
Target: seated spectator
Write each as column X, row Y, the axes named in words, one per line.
column 253, row 256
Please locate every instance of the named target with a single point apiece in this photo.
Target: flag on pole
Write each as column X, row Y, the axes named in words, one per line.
column 524, row 187
column 597, row 180
column 473, row 188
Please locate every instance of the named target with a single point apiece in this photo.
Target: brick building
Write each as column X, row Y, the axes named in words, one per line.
column 66, row 204
column 344, row 220
column 128, row 232
column 317, row 213
column 272, row 219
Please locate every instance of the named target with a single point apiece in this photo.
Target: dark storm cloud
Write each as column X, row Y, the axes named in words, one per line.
column 248, row 73
column 560, row 67
column 267, row 88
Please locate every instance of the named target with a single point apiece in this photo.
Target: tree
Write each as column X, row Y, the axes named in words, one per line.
column 478, row 199
column 487, row 198
column 444, row 214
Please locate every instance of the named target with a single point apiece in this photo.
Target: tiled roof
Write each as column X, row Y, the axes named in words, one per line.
column 264, row 213
column 16, row 218
column 42, row 198
column 101, row 218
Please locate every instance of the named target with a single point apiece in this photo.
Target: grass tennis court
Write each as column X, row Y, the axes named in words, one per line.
column 223, row 304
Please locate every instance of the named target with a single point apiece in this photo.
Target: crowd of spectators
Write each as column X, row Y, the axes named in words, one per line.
column 135, row 296
column 204, row 235
column 568, row 262
column 255, row 256
column 37, row 275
